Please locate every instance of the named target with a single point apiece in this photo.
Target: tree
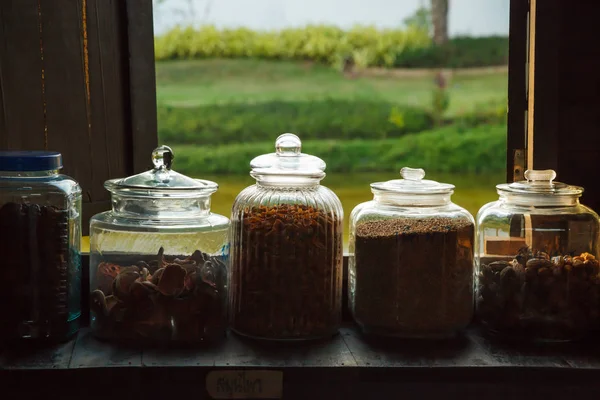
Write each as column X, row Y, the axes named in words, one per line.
column 439, row 19
column 421, row 20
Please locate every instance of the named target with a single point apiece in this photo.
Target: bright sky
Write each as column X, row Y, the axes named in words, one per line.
column 473, row 17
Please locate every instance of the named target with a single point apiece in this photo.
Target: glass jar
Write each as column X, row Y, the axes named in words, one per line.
column 40, row 221
column 158, row 259
column 536, row 258
column 287, row 249
column 411, row 260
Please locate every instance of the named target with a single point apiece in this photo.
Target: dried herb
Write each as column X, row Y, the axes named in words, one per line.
column 286, row 272
column 539, row 297
column 40, row 272
column 413, row 277
column 168, row 298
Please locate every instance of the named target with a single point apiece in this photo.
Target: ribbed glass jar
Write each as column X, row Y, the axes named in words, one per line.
column 287, row 249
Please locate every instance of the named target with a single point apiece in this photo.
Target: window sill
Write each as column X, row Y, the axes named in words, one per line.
column 347, row 366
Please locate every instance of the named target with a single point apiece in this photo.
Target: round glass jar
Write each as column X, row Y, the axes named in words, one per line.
column 158, row 259
column 411, row 260
column 537, row 261
column 40, row 221
column 287, row 249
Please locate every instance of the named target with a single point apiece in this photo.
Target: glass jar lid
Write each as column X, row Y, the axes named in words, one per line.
column 287, row 161
column 540, row 184
column 412, row 183
column 161, row 181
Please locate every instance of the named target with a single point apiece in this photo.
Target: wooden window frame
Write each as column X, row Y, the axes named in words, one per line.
column 80, row 79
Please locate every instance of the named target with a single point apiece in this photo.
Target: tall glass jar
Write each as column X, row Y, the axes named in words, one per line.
column 411, row 260
column 537, row 261
column 158, row 259
column 40, row 221
column 287, row 249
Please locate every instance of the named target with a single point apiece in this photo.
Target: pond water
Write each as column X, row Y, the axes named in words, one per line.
column 472, row 191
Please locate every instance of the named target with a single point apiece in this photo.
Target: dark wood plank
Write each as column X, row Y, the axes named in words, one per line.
column 180, row 357
column 580, row 167
column 546, row 105
column 518, row 356
column 517, row 83
column 22, row 124
column 31, row 356
column 461, row 352
column 66, row 91
column 92, row 353
column 108, row 80
column 242, row 352
column 477, row 367
column 142, row 82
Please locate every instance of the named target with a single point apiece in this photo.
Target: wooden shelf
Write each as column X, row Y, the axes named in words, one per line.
column 347, row 366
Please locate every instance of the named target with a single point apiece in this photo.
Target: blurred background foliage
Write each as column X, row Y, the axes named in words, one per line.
column 367, row 100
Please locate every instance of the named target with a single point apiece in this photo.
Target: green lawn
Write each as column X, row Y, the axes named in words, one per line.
column 204, row 82
column 199, row 82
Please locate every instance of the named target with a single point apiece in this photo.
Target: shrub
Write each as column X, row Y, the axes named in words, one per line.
column 325, row 119
column 321, row 43
column 493, row 112
column 459, row 52
column 447, row 149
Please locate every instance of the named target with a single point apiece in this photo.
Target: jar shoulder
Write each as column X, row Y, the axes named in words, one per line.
column 262, row 195
column 210, row 221
column 499, row 210
column 61, row 183
column 372, row 209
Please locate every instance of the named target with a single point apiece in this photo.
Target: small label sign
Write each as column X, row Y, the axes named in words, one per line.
column 245, row 384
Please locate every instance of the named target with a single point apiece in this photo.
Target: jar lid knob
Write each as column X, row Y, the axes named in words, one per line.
column 288, row 145
column 412, row 174
column 162, row 157
column 541, row 176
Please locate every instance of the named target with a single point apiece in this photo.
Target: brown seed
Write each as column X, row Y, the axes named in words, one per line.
column 558, row 261
column 544, row 272
column 139, row 291
column 156, row 277
column 557, row 271
column 498, row 266
column 568, row 267
column 122, row 284
column 172, row 280
column 539, row 263
column 530, row 273
column 543, row 255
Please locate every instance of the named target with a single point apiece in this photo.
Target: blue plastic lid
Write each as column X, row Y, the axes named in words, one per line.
column 30, row 160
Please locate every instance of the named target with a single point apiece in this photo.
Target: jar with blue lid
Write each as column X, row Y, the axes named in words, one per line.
column 40, row 221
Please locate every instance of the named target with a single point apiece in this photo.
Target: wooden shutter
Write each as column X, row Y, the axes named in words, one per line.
column 79, row 78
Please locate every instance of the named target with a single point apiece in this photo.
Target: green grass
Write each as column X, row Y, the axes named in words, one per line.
column 447, row 149
column 214, row 81
column 244, row 81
